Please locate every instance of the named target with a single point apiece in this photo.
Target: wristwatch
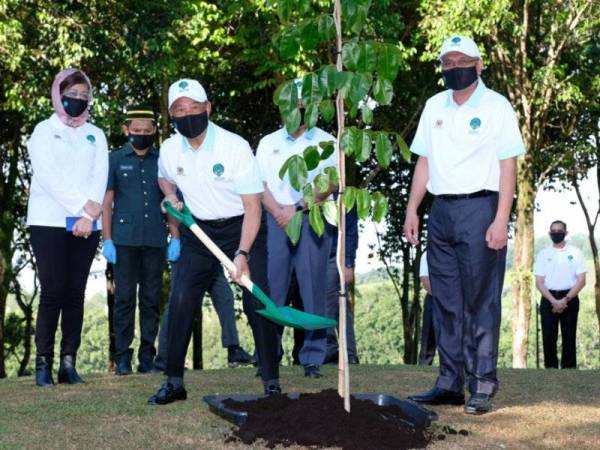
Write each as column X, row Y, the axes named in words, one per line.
column 299, row 206
column 244, row 253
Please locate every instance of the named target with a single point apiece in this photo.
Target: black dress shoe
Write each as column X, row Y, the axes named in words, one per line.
column 273, row 389
column 237, row 356
column 353, row 360
column 438, row 396
column 43, row 371
column 312, row 371
column 168, row 394
column 147, row 367
column 123, row 368
column 67, row 372
column 479, row 404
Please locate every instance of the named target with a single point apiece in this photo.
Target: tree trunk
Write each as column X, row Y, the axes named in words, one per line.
column 523, row 262
column 27, row 332
column 3, row 296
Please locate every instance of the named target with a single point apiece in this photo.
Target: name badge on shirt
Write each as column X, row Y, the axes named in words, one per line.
column 180, row 171
column 125, row 167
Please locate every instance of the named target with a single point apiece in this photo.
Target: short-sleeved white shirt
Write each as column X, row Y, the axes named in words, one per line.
column 273, row 151
column 423, row 268
column 559, row 266
column 213, row 177
column 70, row 167
column 464, row 144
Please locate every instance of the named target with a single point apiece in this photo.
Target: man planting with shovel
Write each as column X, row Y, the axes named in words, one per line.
column 216, row 172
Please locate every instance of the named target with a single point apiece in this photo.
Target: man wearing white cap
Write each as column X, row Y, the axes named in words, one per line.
column 467, row 141
column 217, row 175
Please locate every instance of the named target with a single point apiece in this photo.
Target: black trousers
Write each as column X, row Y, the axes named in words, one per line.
column 466, row 277
column 196, row 271
column 143, row 267
column 568, row 329
column 427, row 351
column 63, row 263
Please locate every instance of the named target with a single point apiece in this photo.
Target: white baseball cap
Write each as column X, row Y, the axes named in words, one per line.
column 186, row 88
column 460, row 44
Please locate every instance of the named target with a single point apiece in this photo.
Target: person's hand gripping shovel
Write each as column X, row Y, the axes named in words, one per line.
column 282, row 315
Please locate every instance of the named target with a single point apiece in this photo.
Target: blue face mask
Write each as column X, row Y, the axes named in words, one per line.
column 74, row 107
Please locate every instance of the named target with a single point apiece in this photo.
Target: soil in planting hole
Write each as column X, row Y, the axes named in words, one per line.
column 319, row 420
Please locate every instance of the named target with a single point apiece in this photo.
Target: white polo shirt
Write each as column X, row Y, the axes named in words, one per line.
column 213, row 177
column 273, row 151
column 70, row 167
column 464, row 144
column 559, row 266
column 423, row 268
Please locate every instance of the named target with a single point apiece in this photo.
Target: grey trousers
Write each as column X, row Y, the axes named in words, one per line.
column 466, row 280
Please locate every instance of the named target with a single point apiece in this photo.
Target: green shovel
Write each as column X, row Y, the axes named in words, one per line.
column 282, row 315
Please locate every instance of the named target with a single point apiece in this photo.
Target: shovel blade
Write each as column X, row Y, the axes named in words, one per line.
column 290, row 317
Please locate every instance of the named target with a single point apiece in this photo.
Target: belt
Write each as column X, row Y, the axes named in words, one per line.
column 482, row 193
column 559, row 293
column 224, row 221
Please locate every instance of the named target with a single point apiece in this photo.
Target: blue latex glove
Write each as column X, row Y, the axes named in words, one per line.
column 109, row 251
column 173, row 250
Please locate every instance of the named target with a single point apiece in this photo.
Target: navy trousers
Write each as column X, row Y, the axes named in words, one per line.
column 309, row 259
column 427, row 351
column 196, row 271
column 466, row 280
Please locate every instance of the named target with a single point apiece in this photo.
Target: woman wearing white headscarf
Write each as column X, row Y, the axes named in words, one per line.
column 69, row 157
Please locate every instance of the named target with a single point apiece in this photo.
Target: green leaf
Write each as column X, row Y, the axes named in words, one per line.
column 327, row 80
column 326, row 28
column 383, row 91
column 308, row 195
column 311, row 157
column 289, row 44
column 310, row 35
column 327, row 110
column 311, row 115
column 284, row 169
column 332, row 173
column 359, row 87
column 346, row 142
column 343, row 80
column 294, row 227
column 328, row 149
column 311, row 91
column 286, row 96
column 354, row 14
column 330, row 211
column 316, row 220
column 349, row 197
column 383, row 150
column 380, row 206
column 388, row 61
column 363, row 203
column 367, row 57
column 366, row 114
column 351, row 55
column 366, row 145
column 292, row 120
column 404, row 150
column 284, row 9
column 322, row 182
column 298, row 172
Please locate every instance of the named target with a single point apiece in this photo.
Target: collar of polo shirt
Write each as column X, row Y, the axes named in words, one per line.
column 475, row 98
column 207, row 145
column 308, row 134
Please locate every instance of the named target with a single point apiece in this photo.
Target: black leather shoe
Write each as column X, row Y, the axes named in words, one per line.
column 123, row 368
column 147, row 367
column 168, row 394
column 479, row 404
column 353, row 360
column 43, row 371
column 437, row 396
column 237, row 356
column 67, row 372
column 273, row 389
column 312, row 371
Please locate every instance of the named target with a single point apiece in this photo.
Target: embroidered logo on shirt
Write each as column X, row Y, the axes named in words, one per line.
column 570, row 257
column 57, row 136
column 180, row 171
column 275, row 150
column 183, row 86
column 218, row 170
column 439, row 123
column 475, row 124
column 91, row 139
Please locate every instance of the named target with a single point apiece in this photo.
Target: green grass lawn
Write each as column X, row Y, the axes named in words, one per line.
column 534, row 409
